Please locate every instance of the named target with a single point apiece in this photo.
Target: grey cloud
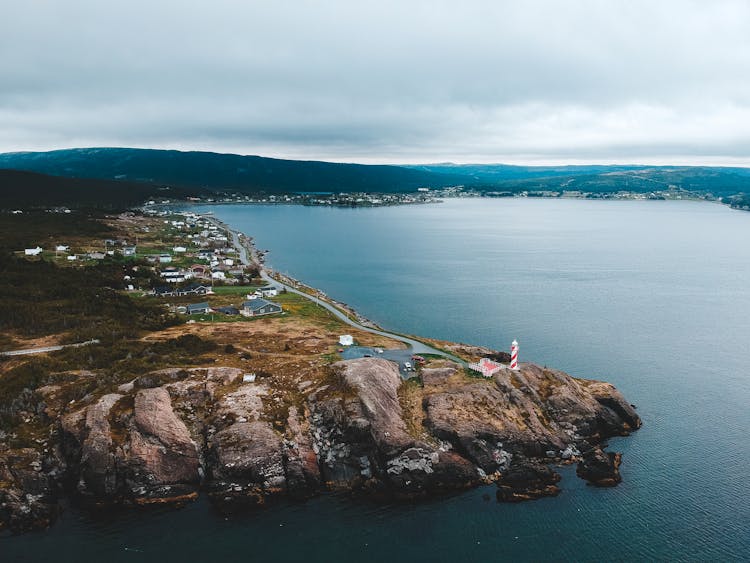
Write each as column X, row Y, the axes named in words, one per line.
column 381, row 81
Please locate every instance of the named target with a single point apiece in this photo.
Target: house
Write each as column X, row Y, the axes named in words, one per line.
column 165, row 258
column 164, row 291
column 199, row 270
column 486, row 367
column 198, row 308
column 257, row 307
column 62, row 248
column 97, row 255
column 268, row 291
column 173, row 275
column 179, row 249
column 346, row 340
column 192, row 289
column 128, row 251
column 195, row 289
column 218, row 275
column 33, row 251
column 72, row 257
column 228, row 310
column 228, row 262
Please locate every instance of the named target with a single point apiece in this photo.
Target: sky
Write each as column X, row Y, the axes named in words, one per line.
column 409, row 81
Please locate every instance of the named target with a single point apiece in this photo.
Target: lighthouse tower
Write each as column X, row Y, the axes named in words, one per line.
column 514, row 355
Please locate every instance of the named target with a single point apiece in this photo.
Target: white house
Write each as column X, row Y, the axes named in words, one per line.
column 165, row 258
column 228, row 262
column 62, row 248
column 179, row 249
column 218, row 275
column 486, row 367
column 33, row 251
column 72, row 257
column 346, row 340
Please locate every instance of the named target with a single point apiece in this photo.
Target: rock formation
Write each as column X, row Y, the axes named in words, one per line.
column 168, row 435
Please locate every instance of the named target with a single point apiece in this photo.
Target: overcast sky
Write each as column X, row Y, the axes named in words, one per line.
column 405, row 81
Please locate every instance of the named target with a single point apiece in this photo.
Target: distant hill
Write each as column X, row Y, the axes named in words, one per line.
column 719, row 181
column 146, row 171
column 215, row 171
column 489, row 173
column 29, row 189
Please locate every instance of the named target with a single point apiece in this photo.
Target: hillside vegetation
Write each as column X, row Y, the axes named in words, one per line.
column 224, row 171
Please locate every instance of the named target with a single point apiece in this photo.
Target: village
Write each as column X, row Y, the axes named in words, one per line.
column 185, row 260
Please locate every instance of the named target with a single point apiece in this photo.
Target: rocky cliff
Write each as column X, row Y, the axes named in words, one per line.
column 169, row 435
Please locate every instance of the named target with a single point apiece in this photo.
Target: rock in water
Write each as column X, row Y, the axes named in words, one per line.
column 600, row 468
column 527, row 480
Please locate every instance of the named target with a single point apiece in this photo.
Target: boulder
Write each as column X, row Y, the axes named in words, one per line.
column 527, row 480
column 600, row 468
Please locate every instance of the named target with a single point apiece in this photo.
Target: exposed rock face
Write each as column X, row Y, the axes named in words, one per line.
column 162, row 453
column 302, row 471
column 530, row 412
column 363, row 443
column 94, row 446
column 527, row 480
column 600, row 468
column 167, row 434
column 248, row 462
column 27, row 499
column 140, row 452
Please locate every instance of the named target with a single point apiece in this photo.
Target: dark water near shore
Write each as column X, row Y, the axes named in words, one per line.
column 652, row 296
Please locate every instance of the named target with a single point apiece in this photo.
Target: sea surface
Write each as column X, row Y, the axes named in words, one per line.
column 651, row 296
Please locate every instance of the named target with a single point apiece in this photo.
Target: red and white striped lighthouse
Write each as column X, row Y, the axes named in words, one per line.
column 514, row 355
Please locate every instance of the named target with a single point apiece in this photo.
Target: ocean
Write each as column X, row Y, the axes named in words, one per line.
column 649, row 295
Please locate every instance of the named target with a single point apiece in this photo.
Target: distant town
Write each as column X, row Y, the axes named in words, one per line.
column 427, row 195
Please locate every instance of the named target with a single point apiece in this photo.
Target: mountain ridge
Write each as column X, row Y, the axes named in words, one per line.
column 215, row 172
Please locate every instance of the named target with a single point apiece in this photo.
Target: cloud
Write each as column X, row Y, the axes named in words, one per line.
column 539, row 81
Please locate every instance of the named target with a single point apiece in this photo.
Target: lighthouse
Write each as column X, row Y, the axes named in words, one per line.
column 514, row 355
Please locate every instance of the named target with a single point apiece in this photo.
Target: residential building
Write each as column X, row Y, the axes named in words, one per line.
column 257, row 307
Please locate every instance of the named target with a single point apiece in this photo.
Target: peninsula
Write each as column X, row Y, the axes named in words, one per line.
column 159, row 406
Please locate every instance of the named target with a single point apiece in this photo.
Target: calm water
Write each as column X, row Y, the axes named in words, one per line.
column 652, row 296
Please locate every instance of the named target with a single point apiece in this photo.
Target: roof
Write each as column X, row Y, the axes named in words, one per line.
column 255, row 304
column 197, row 306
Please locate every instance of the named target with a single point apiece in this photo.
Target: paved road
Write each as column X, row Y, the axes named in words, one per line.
column 416, row 346
column 44, row 349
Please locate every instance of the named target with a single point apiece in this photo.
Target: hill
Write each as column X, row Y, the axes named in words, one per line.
column 29, row 189
column 215, row 171
column 144, row 172
column 718, row 181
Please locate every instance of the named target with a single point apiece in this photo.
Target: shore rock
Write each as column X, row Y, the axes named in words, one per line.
column 527, row 480
column 600, row 468
column 27, row 497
